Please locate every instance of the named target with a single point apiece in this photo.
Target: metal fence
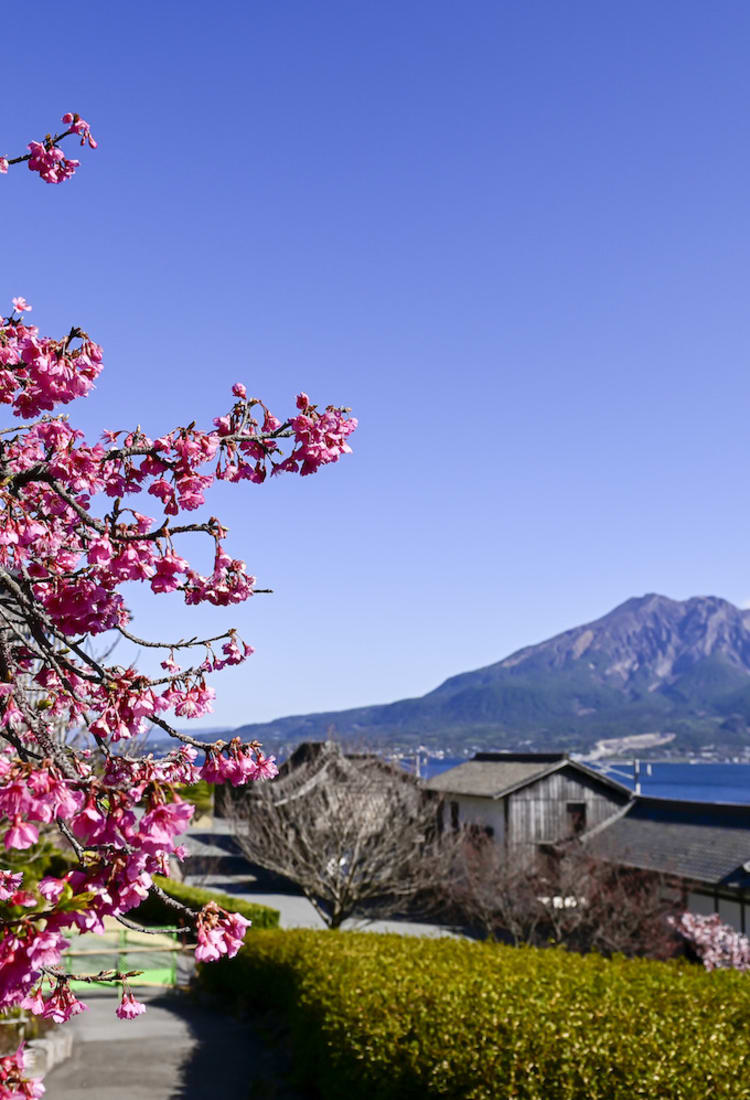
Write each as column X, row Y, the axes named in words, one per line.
column 122, row 949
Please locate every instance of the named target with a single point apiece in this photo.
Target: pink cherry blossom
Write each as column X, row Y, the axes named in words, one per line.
column 14, row 1085
column 21, row 834
column 62, row 1005
column 79, row 126
column 9, row 883
column 128, row 1007
column 265, row 767
column 219, row 933
column 50, row 162
column 70, row 540
column 717, row 944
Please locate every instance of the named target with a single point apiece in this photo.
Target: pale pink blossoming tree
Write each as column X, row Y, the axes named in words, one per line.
column 70, row 537
column 717, row 945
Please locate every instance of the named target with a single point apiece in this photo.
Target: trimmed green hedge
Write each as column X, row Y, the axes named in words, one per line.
column 398, row 1018
column 154, row 911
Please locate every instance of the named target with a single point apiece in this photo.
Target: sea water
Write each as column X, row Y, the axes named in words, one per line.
column 698, row 782
column 701, row 782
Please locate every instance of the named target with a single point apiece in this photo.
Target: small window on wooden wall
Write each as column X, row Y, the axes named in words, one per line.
column 454, row 816
column 576, row 812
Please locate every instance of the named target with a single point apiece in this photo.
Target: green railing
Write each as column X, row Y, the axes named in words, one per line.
column 155, row 955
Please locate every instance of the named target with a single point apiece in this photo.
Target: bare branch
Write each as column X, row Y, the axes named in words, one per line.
column 355, row 834
column 185, row 644
column 135, row 927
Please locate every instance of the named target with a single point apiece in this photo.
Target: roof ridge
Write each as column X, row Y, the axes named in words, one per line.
column 596, row 829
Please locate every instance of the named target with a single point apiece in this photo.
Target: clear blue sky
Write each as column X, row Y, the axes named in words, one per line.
column 514, row 237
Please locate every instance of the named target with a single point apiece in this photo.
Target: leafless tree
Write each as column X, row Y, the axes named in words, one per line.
column 563, row 896
column 493, row 891
column 353, row 832
column 626, row 910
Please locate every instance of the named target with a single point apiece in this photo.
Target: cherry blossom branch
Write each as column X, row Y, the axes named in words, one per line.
column 178, row 735
column 69, row 541
column 151, row 451
column 46, row 158
column 48, row 141
column 35, row 616
column 102, row 976
column 134, row 926
column 72, row 840
column 185, row 644
column 172, row 903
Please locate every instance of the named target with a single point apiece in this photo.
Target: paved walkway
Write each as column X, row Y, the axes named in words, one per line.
column 295, row 911
column 182, row 1050
column 213, row 840
column 176, row 1050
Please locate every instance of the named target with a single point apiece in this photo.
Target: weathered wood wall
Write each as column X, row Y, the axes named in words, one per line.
column 538, row 814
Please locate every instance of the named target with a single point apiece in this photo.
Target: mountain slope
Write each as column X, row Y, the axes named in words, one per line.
column 652, row 665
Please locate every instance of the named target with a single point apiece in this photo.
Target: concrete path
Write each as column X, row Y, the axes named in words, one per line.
column 182, row 1050
column 176, row 1050
column 295, row 911
column 212, row 841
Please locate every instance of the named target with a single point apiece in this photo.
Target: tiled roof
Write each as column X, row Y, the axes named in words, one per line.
column 493, row 774
column 489, row 778
column 699, row 841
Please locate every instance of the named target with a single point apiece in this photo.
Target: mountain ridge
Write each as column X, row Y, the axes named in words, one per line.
column 650, row 665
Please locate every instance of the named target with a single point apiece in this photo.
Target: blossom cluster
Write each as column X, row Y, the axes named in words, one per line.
column 47, row 158
column 53, row 523
column 71, row 536
column 125, row 819
column 717, row 944
column 62, row 564
column 219, row 933
column 13, row 1084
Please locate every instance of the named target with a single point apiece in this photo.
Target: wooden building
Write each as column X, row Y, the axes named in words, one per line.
column 523, row 800
column 702, row 849
column 526, row 801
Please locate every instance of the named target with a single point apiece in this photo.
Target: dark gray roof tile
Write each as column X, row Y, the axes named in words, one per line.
column 699, row 841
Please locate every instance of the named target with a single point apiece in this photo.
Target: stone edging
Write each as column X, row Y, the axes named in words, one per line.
column 42, row 1055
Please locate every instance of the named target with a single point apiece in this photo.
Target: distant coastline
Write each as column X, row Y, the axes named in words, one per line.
column 624, row 746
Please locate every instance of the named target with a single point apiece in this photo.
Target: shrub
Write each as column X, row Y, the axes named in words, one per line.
column 41, row 859
column 154, row 911
column 398, row 1017
column 200, row 794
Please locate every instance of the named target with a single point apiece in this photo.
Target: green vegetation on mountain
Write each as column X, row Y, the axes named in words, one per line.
column 652, row 665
